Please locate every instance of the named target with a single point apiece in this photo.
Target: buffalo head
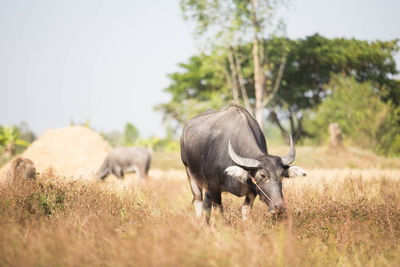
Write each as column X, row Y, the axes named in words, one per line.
column 267, row 172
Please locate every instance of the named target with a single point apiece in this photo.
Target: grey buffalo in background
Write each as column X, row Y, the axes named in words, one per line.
column 122, row 160
column 223, row 151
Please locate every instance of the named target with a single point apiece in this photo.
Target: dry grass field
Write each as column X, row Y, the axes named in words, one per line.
column 346, row 215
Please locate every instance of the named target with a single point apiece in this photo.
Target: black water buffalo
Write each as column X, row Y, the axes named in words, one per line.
column 225, row 151
column 126, row 159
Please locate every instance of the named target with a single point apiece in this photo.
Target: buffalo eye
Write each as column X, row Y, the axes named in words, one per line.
column 263, row 176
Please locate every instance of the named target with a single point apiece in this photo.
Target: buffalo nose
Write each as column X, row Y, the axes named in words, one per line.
column 278, row 208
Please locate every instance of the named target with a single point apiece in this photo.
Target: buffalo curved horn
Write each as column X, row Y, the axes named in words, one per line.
column 289, row 158
column 243, row 162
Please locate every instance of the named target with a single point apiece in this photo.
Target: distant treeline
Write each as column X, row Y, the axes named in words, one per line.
column 131, row 137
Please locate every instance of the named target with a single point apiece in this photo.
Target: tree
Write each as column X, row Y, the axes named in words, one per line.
column 231, row 23
column 363, row 117
column 131, row 134
column 129, row 137
column 310, row 65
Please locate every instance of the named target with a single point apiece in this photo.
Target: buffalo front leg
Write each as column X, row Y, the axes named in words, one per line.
column 212, row 203
column 218, row 210
column 197, row 194
column 247, row 205
column 217, row 203
column 143, row 173
column 117, row 171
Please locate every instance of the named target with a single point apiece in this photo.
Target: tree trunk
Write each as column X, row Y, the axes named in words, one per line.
column 274, row 118
column 258, row 75
column 335, row 133
column 235, row 91
column 258, row 81
column 242, row 86
column 277, row 82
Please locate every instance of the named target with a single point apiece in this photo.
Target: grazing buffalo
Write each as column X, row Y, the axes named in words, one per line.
column 225, row 151
column 21, row 169
column 126, row 159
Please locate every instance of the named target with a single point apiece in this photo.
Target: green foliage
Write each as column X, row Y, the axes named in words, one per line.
column 10, row 135
column 10, row 140
column 202, row 83
column 313, row 60
column 391, row 92
column 47, row 200
column 310, row 65
column 159, row 144
column 128, row 138
column 230, row 26
column 114, row 138
column 131, row 134
column 234, row 23
column 201, row 77
column 364, row 118
column 131, row 137
column 229, row 22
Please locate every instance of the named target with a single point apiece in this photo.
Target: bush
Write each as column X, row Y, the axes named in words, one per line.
column 364, row 118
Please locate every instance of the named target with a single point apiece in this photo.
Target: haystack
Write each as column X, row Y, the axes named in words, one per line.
column 71, row 152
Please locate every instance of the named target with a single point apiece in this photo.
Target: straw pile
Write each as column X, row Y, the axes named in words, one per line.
column 71, row 152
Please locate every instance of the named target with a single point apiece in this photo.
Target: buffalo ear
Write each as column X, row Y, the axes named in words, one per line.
column 293, row 171
column 238, row 173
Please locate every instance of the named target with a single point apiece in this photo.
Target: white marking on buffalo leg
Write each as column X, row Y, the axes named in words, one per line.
column 247, row 205
column 245, row 212
column 198, row 206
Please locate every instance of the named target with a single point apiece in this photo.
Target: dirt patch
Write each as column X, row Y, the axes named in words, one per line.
column 73, row 151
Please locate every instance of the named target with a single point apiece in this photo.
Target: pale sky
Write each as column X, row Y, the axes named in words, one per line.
column 107, row 61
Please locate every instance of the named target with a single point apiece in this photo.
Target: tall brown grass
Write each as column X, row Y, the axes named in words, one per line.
column 348, row 221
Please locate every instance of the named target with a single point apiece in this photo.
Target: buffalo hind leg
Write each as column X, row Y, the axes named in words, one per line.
column 218, row 210
column 212, row 200
column 247, row 205
column 146, row 169
column 197, row 194
column 142, row 173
